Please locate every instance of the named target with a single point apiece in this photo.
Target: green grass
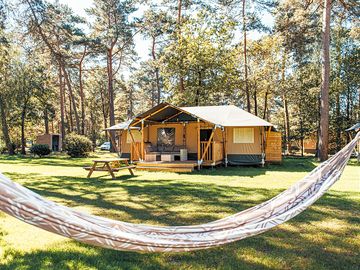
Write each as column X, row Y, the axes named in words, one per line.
column 326, row 236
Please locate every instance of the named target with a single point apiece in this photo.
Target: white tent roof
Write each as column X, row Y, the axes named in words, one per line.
column 227, row 116
column 121, row 126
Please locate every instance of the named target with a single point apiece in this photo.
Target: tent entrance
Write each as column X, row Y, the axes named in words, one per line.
column 206, row 145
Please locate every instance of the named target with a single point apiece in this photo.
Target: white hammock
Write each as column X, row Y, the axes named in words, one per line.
column 28, row 206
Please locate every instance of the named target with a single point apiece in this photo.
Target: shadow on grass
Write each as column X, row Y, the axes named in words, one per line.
column 300, row 244
column 52, row 160
column 284, row 247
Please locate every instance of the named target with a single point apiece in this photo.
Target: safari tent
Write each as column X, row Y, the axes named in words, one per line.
column 200, row 136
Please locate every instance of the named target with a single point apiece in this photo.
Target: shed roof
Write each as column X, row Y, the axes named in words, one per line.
column 227, row 116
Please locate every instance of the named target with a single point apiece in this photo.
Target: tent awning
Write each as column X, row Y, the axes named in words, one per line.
column 121, row 126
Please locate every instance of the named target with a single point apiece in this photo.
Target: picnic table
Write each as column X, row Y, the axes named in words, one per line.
column 110, row 165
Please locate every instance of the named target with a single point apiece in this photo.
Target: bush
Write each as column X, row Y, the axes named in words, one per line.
column 40, row 150
column 77, row 145
column 5, row 150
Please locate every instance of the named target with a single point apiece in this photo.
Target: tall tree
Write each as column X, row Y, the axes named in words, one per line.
column 324, row 98
column 4, row 75
column 58, row 28
column 115, row 34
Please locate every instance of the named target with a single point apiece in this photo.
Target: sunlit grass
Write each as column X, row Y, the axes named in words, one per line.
column 326, row 236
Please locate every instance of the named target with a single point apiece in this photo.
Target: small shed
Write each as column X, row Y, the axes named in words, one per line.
column 54, row 141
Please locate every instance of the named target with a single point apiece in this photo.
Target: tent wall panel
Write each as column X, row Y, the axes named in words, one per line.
column 243, row 148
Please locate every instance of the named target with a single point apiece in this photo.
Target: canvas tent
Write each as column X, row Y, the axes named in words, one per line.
column 209, row 135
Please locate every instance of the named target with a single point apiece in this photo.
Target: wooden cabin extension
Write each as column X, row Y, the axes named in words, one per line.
column 171, row 138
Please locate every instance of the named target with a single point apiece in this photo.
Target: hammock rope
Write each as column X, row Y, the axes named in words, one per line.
column 30, row 207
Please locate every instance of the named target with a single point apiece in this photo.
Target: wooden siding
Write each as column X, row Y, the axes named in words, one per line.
column 273, row 151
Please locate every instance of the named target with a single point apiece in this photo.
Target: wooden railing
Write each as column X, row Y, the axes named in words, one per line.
column 214, row 153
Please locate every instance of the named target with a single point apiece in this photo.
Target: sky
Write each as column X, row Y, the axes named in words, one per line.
column 142, row 45
column 78, row 6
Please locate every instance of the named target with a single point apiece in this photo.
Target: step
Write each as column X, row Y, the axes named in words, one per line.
column 190, row 165
column 164, row 169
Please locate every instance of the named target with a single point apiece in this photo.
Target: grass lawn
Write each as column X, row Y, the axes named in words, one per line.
column 326, row 236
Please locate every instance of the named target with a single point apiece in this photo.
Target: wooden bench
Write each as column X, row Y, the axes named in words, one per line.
column 102, row 169
column 107, row 167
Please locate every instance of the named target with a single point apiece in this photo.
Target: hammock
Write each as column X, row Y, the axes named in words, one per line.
column 30, row 207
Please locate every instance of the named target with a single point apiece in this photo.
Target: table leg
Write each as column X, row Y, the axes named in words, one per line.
column 110, row 170
column 130, row 170
column 92, row 169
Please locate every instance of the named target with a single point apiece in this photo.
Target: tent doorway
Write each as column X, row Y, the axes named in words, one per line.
column 206, row 146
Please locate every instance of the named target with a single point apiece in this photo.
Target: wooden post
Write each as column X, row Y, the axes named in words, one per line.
column 266, row 140
column 198, row 141
column 224, row 146
column 184, row 135
column 142, row 140
column 119, row 143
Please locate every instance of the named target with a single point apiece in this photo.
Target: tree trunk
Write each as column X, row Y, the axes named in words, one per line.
column 111, row 96
column 302, row 135
column 104, row 112
column 181, row 79
column 62, row 107
column 82, row 94
column 46, row 120
column 71, row 126
column 5, row 127
column 158, row 97
column 247, row 92
column 23, row 140
column 286, row 109
column 266, row 103
column 72, row 97
column 197, row 97
column 256, row 102
column 324, row 107
column 338, row 123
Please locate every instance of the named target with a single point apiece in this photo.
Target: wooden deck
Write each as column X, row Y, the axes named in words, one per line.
column 173, row 166
column 165, row 166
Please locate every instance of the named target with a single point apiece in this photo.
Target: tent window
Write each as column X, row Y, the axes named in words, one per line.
column 243, row 135
column 166, row 136
column 136, row 134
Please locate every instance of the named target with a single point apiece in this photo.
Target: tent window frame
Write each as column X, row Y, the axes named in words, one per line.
column 243, row 135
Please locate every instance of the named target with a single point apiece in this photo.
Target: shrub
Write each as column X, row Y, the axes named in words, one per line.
column 5, row 150
column 77, row 145
column 40, row 150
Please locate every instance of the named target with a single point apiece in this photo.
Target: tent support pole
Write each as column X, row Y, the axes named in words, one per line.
column 142, row 140
column 224, row 146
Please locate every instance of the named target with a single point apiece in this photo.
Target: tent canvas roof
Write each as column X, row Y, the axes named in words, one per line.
column 121, row 126
column 225, row 116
